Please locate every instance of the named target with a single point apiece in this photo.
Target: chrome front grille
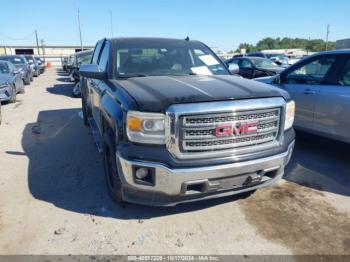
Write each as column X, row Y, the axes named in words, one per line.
column 198, row 132
column 225, row 118
column 192, row 129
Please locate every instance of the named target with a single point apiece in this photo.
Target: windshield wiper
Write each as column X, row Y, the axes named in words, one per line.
column 130, row 76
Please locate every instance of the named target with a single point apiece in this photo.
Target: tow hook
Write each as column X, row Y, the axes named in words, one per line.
column 254, row 178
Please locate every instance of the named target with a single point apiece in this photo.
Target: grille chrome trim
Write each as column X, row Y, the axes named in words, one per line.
column 176, row 127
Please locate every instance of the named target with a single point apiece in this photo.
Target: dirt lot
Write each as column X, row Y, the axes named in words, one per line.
column 53, row 197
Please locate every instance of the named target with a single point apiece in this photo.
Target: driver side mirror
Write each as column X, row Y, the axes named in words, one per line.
column 92, row 71
column 233, row 68
column 15, row 72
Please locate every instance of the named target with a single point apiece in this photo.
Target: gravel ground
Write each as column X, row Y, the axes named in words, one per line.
column 53, row 197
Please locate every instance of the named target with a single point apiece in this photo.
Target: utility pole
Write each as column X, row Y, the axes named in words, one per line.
column 81, row 41
column 327, row 35
column 37, row 41
column 111, row 16
column 42, row 42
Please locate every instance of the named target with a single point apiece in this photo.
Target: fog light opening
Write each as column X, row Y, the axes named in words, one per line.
column 141, row 173
column 144, row 175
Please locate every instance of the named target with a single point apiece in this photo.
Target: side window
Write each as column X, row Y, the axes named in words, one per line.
column 97, row 52
column 104, row 57
column 344, row 79
column 246, row 64
column 313, row 72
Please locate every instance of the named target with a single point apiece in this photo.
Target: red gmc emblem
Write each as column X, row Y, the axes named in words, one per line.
column 237, row 129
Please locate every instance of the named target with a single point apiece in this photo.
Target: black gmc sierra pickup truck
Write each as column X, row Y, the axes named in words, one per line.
column 174, row 125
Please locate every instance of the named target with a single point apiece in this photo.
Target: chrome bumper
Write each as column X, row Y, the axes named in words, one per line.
column 216, row 180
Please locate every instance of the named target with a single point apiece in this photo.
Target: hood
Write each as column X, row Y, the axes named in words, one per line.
column 157, row 93
column 4, row 78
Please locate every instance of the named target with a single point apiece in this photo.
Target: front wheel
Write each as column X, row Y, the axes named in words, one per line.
column 114, row 184
column 76, row 90
column 13, row 95
column 86, row 111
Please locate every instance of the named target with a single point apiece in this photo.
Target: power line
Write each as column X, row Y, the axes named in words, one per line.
column 81, row 41
column 327, row 35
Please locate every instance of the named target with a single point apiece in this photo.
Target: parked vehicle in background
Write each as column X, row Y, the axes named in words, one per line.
column 41, row 63
column 21, row 65
column 278, row 58
column 83, row 57
column 175, row 126
column 11, row 82
column 64, row 62
column 320, row 86
column 70, row 63
column 33, row 64
column 252, row 67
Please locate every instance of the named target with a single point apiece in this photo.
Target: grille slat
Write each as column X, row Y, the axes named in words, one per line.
column 198, row 132
column 201, row 120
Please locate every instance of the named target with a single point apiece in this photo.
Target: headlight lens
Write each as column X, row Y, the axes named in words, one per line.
column 290, row 112
column 4, row 85
column 148, row 128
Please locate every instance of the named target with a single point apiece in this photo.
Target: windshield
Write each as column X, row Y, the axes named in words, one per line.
column 16, row 60
column 4, row 69
column 29, row 58
column 263, row 63
column 84, row 59
column 167, row 60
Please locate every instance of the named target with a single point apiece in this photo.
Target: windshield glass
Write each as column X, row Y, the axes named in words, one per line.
column 17, row 60
column 84, row 59
column 167, row 60
column 263, row 63
column 4, row 69
column 29, row 58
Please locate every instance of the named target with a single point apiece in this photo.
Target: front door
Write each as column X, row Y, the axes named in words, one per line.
column 303, row 83
column 332, row 107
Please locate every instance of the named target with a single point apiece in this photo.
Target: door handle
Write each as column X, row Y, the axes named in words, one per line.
column 309, row 92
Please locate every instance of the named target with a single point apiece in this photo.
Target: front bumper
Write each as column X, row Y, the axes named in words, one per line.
column 5, row 94
column 178, row 185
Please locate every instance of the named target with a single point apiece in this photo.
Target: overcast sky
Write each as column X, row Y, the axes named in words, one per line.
column 221, row 23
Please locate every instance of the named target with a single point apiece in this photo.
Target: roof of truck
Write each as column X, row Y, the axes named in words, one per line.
column 152, row 40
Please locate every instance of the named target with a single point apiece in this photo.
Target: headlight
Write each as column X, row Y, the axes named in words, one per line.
column 4, row 85
column 290, row 111
column 145, row 128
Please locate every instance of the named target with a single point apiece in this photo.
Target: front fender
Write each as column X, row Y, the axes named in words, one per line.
column 112, row 113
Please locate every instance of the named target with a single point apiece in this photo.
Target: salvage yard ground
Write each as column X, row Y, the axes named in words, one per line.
column 53, row 198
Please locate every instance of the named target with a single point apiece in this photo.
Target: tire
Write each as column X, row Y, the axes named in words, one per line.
column 13, row 95
column 86, row 111
column 27, row 81
column 76, row 90
column 114, row 185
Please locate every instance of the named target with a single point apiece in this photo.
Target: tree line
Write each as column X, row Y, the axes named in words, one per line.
column 311, row 45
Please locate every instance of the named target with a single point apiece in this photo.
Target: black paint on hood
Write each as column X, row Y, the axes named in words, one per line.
column 157, row 93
